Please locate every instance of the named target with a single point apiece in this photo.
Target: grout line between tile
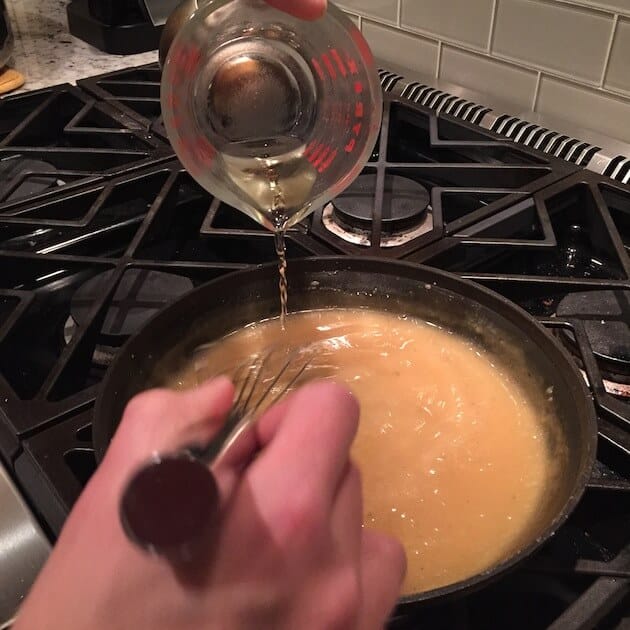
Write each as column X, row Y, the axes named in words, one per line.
column 527, row 65
column 596, row 85
column 480, row 50
column 586, row 4
column 438, row 60
column 613, row 31
column 536, row 91
column 377, row 20
column 493, row 17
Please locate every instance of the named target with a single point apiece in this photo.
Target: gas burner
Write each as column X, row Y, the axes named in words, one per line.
column 140, row 295
column 605, row 316
column 405, row 214
column 23, row 177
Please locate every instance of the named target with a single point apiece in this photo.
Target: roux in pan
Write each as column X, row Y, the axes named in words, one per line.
column 452, row 452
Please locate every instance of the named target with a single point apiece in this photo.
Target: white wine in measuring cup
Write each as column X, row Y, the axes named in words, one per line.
column 272, row 114
column 277, row 186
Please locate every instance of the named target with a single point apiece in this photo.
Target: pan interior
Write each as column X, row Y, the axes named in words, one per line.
column 489, row 322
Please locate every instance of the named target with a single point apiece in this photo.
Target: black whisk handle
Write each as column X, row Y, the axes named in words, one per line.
column 171, row 506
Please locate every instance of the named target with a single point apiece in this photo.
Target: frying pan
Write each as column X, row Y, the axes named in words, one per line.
column 232, row 301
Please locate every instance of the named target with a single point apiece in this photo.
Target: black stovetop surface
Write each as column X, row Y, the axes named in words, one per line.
column 100, row 227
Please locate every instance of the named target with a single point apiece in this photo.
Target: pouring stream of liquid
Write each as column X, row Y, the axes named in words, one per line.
column 282, row 269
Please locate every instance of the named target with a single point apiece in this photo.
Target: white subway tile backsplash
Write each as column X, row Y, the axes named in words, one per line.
column 410, row 51
column 487, row 75
column 460, row 20
column 590, row 108
column 386, row 10
column 618, row 76
column 623, row 6
column 560, row 54
column 563, row 38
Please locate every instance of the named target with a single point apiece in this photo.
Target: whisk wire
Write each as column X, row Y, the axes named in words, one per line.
column 273, row 383
column 291, row 383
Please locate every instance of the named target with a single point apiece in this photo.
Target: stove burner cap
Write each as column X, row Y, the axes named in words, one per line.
column 405, row 203
column 24, row 177
column 140, row 294
column 606, row 319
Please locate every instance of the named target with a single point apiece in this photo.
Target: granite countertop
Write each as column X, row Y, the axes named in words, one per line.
column 45, row 52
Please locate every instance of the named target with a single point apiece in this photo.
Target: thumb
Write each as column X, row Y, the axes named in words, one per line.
column 163, row 420
column 383, row 568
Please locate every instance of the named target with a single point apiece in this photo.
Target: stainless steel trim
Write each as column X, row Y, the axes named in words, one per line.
column 23, row 548
column 591, row 149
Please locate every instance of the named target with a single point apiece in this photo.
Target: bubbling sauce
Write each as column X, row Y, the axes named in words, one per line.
column 452, row 452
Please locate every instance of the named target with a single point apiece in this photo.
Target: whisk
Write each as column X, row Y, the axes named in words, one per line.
column 171, row 504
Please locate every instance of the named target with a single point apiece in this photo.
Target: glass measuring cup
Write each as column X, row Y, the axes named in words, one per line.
column 272, row 114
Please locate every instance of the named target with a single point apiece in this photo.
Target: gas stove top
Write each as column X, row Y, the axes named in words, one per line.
column 100, row 228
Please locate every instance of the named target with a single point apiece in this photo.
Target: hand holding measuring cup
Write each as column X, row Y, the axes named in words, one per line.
column 272, row 113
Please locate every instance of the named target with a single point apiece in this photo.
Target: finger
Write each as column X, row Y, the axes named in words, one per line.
column 164, row 420
column 270, row 421
column 229, row 469
column 347, row 515
column 310, row 447
column 303, row 9
column 383, row 567
column 264, row 430
column 230, row 466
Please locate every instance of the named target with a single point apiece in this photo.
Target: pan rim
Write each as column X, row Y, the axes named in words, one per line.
column 387, row 267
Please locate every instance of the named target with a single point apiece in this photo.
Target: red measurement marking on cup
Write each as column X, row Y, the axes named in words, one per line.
column 174, row 103
column 311, row 145
column 321, row 157
column 329, row 160
column 352, row 66
column 359, row 108
column 203, row 151
column 356, row 128
column 329, row 67
column 318, row 69
column 342, row 68
column 186, row 58
column 200, row 151
column 313, row 157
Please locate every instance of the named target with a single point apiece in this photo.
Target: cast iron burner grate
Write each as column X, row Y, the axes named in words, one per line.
column 134, row 91
column 468, row 172
column 82, row 270
column 605, row 318
column 58, row 138
column 459, row 175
